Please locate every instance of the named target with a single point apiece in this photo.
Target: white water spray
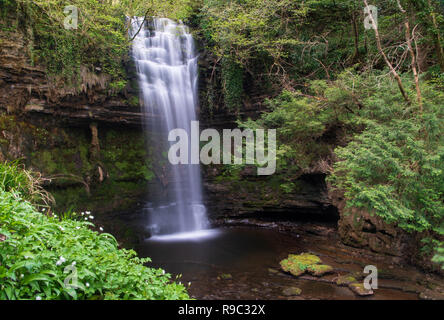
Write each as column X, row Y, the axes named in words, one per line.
column 166, row 64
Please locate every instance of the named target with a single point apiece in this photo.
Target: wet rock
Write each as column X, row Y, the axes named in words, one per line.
column 431, row 295
column 297, row 264
column 319, row 270
column 345, row 280
column 291, row 291
column 305, row 262
column 272, row 271
column 358, row 289
column 225, row 276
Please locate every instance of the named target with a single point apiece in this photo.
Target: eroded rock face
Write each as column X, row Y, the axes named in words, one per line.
column 247, row 195
column 359, row 228
column 27, row 90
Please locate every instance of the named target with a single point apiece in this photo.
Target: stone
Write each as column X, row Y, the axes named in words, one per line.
column 431, row 295
column 225, row 276
column 319, row 270
column 358, row 289
column 345, row 280
column 305, row 262
column 291, row 291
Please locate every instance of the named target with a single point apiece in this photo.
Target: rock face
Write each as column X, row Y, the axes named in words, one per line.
column 361, row 229
column 245, row 195
column 88, row 142
column 27, row 90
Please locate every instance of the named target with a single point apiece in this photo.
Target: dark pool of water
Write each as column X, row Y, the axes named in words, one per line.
column 241, row 262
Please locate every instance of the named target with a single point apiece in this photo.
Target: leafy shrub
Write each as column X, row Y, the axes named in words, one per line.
column 38, row 253
column 24, row 183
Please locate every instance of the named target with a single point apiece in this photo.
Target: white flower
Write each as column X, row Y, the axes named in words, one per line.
column 82, row 213
column 189, row 284
column 62, row 259
column 88, row 212
column 77, row 228
column 22, row 275
column 43, row 209
column 55, row 216
column 91, row 217
column 86, row 219
column 101, row 229
column 163, row 271
column 73, row 264
column 62, row 229
column 87, row 285
column 38, row 298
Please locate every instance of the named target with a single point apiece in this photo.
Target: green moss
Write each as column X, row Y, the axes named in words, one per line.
column 298, row 264
column 305, row 258
column 319, row 269
column 304, row 262
column 345, row 280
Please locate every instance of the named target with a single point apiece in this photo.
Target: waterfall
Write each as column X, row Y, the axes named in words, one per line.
column 166, row 63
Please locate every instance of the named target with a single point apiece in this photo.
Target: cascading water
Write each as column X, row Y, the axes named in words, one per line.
column 166, row 63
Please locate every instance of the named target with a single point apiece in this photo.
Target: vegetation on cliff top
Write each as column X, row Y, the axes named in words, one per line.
column 98, row 45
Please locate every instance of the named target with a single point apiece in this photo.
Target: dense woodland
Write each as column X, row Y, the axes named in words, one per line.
column 364, row 106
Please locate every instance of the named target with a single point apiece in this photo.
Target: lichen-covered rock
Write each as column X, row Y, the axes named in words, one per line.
column 358, row 289
column 319, row 270
column 345, row 280
column 225, row 276
column 291, row 266
column 291, row 291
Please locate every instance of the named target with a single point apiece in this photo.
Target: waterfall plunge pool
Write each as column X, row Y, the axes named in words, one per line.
column 240, row 262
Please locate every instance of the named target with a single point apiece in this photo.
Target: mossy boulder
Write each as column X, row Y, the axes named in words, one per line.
column 304, row 262
column 319, row 270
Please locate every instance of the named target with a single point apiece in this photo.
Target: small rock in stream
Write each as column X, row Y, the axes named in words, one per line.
column 291, row 291
column 318, row 270
column 345, row 280
column 358, row 289
column 225, row 276
column 431, row 295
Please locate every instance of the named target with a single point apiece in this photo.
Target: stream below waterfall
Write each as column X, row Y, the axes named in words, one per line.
column 235, row 261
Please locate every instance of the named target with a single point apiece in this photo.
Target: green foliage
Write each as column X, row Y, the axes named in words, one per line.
column 37, row 254
column 99, row 44
column 23, row 184
column 232, row 84
column 394, row 168
column 301, row 123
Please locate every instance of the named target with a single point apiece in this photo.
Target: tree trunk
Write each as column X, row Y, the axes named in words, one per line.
column 438, row 46
column 408, row 38
column 392, row 70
